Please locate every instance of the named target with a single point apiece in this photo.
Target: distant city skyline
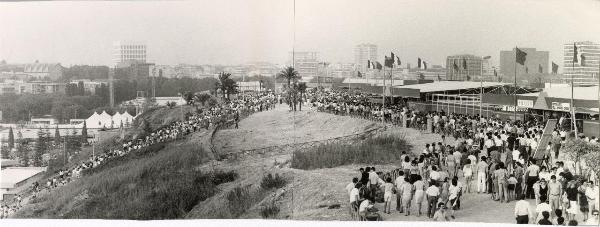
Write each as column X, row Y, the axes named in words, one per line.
column 214, row 32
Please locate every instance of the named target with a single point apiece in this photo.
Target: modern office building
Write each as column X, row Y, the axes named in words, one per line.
column 129, row 51
column 533, row 61
column 471, row 72
column 363, row 53
column 305, row 62
column 588, row 72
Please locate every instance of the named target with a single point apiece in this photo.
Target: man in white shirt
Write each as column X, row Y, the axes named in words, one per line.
column 351, row 185
column 516, row 153
column 432, row 193
column 434, row 174
column 522, row 210
column 373, row 178
column 545, row 206
column 354, row 196
column 532, row 174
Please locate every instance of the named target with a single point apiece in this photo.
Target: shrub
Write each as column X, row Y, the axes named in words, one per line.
column 269, row 181
column 223, row 177
column 239, row 200
column 269, row 211
column 376, row 150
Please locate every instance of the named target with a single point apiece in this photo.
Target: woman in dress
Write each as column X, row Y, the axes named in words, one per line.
column 445, row 193
column 583, row 202
column 419, row 193
column 468, row 174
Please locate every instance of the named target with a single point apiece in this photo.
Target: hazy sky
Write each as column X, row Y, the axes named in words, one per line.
column 239, row 31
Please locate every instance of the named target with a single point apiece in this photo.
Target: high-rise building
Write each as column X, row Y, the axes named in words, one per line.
column 129, row 52
column 363, row 53
column 588, row 72
column 471, row 72
column 533, row 61
column 306, row 63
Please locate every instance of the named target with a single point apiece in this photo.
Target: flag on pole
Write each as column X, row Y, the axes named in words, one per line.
column 398, row 61
column 574, row 53
column 455, row 66
column 419, row 63
column 392, row 57
column 368, row 64
column 379, row 66
column 487, row 57
column 520, row 56
column 373, row 65
column 464, row 63
column 540, row 69
column 554, row 68
column 388, row 62
column 582, row 60
column 425, row 65
column 359, row 74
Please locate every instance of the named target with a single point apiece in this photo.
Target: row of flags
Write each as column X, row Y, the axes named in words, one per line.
column 391, row 61
column 521, row 57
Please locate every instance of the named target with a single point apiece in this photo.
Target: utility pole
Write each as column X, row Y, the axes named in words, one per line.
column 111, row 87
column 65, row 150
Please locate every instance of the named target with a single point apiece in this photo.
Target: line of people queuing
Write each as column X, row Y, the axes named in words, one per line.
column 498, row 155
column 227, row 112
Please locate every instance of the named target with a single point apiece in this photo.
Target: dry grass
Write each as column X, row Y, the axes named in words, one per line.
column 378, row 150
column 154, row 183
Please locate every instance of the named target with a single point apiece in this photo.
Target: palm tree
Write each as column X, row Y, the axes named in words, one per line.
column 226, row 84
column 302, row 89
column 290, row 74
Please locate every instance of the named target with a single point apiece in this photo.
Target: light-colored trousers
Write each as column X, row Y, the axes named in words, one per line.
column 481, row 184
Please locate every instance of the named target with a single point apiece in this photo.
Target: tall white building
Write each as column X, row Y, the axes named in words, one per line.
column 582, row 74
column 362, row 53
column 129, row 52
column 305, row 62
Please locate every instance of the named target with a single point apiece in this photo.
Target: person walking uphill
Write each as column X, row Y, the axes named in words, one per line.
column 432, row 193
column 522, row 210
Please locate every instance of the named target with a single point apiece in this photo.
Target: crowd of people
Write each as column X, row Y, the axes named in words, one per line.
column 229, row 112
column 502, row 158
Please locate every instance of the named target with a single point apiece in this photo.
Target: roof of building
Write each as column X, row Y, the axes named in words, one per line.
column 580, row 93
column 40, row 67
column 438, row 86
column 14, row 175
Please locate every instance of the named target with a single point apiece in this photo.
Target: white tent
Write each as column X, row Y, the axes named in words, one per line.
column 117, row 119
column 94, row 121
column 106, row 120
column 127, row 119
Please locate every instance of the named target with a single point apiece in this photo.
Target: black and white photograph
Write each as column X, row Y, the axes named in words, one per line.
column 300, row 112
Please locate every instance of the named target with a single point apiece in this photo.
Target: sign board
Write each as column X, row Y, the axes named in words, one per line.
column 512, row 108
column 525, row 103
column 563, row 106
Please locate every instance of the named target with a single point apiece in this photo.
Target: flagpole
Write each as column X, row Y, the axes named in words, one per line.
column 383, row 97
column 573, row 122
column 481, row 89
column 515, row 91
